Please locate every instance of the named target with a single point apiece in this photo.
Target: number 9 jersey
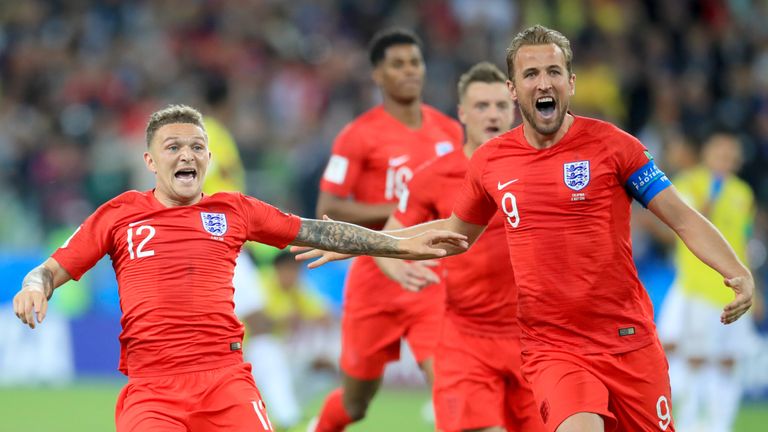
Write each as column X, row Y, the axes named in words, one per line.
column 174, row 267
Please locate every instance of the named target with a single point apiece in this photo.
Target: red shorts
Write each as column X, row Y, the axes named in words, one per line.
column 224, row 399
column 478, row 383
column 371, row 333
column 629, row 390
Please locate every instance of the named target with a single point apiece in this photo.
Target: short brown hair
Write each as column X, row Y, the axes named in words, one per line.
column 538, row 35
column 173, row 114
column 482, row 72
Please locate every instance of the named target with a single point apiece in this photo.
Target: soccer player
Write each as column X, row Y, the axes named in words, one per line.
column 372, row 159
column 478, row 386
column 564, row 185
column 173, row 249
column 709, row 390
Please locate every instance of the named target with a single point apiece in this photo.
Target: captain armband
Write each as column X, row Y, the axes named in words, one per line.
column 647, row 182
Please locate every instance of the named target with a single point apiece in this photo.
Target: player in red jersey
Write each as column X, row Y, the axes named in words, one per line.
column 174, row 249
column 372, row 159
column 478, row 385
column 564, row 185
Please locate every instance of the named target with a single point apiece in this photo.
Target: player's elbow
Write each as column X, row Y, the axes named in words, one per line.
column 326, row 206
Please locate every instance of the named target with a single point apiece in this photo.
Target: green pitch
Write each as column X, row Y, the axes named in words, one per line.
column 90, row 408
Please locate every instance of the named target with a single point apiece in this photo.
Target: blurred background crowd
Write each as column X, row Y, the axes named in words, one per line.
column 78, row 79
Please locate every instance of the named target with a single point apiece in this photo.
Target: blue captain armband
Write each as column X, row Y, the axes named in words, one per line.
column 647, row 182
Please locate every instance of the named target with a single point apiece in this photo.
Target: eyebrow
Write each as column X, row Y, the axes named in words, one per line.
column 552, row 66
column 192, row 140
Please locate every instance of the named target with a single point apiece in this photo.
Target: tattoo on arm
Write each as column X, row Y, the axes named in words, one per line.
column 40, row 276
column 345, row 238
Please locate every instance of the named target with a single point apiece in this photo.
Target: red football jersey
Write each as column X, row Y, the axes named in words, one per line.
column 374, row 156
column 481, row 294
column 174, row 268
column 567, row 212
column 371, row 161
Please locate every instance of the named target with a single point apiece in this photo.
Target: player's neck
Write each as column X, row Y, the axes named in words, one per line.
column 167, row 201
column 541, row 141
column 409, row 114
column 470, row 147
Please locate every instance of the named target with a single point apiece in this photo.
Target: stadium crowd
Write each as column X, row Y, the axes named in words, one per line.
column 77, row 80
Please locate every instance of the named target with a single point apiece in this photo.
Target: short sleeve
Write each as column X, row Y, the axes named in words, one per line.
column 345, row 164
column 637, row 169
column 415, row 205
column 88, row 244
column 473, row 204
column 267, row 224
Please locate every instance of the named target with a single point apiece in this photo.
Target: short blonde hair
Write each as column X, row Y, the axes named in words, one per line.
column 482, row 72
column 173, row 114
column 538, row 35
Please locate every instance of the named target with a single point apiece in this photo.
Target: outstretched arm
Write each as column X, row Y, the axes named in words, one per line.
column 706, row 242
column 36, row 289
column 452, row 224
column 355, row 240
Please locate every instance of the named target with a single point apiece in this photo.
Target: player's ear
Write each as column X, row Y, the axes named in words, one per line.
column 150, row 162
column 572, row 82
column 462, row 114
column 376, row 75
column 512, row 90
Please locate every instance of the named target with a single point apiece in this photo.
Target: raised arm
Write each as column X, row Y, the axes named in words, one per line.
column 346, row 210
column 706, row 242
column 36, row 289
column 356, row 240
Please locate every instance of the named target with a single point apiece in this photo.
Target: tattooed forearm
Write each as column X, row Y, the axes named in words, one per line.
column 39, row 277
column 345, row 238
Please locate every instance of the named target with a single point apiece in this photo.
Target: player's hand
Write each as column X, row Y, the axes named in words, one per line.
column 411, row 275
column 30, row 303
column 434, row 244
column 744, row 287
column 320, row 257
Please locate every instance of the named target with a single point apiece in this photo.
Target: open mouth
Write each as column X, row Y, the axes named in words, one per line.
column 546, row 106
column 492, row 130
column 186, row 174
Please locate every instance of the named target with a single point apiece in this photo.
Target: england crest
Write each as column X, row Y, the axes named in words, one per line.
column 443, row 148
column 576, row 174
column 214, row 223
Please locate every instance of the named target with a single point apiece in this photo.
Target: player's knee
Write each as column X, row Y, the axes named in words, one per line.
column 356, row 409
column 582, row 422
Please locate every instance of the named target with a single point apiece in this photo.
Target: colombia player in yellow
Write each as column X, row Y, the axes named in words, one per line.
column 704, row 355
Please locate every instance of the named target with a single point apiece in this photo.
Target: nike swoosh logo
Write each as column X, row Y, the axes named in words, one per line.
column 138, row 222
column 398, row 160
column 502, row 186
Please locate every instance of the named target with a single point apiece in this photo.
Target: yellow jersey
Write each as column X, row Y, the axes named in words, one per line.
column 226, row 172
column 283, row 305
column 731, row 210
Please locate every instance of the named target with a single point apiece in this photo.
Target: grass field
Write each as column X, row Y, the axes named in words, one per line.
column 90, row 408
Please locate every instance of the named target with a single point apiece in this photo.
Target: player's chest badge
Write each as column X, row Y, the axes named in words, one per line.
column 214, row 223
column 576, row 174
column 442, row 148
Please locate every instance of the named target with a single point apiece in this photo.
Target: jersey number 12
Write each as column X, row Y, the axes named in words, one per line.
column 140, row 252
